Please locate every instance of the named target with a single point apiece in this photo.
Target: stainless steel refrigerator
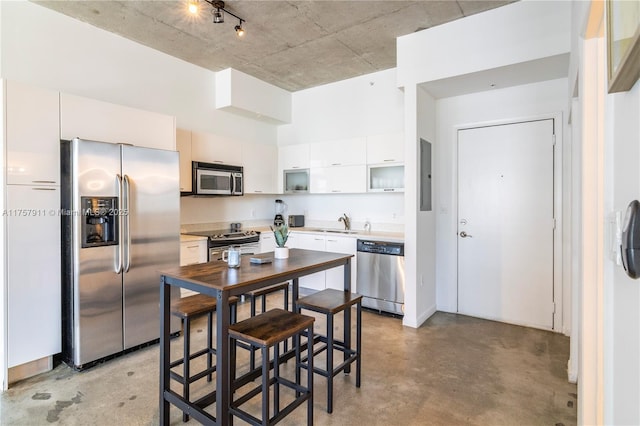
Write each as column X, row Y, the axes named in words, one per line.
column 120, row 212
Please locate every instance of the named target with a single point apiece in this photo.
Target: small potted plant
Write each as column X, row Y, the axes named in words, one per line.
column 281, row 233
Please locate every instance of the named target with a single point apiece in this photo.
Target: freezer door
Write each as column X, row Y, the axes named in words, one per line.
column 96, row 328
column 152, row 237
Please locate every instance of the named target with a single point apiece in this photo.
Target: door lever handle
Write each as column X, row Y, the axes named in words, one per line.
column 465, row 235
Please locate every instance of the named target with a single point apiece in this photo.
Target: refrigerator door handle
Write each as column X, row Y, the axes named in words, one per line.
column 127, row 245
column 118, row 266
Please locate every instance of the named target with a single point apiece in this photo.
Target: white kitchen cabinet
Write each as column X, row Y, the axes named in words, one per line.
column 293, row 157
column 192, row 251
column 343, row 179
column 335, row 276
column 33, row 273
column 332, row 278
column 260, row 168
column 210, row 148
column 33, row 135
column 183, row 146
column 385, row 178
column 343, row 152
column 101, row 121
column 311, row 242
column 388, row 148
column 267, row 242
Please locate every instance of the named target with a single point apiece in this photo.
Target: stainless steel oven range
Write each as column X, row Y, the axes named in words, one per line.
column 220, row 240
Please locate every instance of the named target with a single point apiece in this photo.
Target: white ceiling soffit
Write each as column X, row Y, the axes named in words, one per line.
column 544, row 69
column 291, row 44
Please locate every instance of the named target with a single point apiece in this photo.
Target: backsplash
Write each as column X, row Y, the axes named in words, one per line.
column 385, row 212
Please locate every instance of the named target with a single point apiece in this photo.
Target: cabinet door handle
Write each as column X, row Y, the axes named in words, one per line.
column 389, row 189
column 43, row 181
column 193, row 246
column 335, row 190
column 257, row 191
column 44, row 189
column 336, row 164
column 332, row 241
column 388, row 160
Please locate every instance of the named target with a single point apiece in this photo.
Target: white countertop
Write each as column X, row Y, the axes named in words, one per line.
column 186, row 238
column 361, row 234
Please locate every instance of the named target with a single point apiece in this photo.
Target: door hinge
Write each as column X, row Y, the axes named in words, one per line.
column 554, row 223
column 554, row 308
column 553, row 138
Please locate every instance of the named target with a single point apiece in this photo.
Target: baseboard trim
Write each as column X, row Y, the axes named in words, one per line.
column 30, row 369
column 421, row 318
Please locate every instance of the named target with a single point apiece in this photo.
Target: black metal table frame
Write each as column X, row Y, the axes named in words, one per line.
column 223, row 377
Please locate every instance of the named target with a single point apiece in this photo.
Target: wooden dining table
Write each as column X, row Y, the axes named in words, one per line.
column 216, row 279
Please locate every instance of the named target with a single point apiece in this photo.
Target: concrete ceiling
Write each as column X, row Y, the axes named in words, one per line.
column 290, row 44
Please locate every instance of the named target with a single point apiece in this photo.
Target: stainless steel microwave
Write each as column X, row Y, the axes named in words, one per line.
column 216, row 179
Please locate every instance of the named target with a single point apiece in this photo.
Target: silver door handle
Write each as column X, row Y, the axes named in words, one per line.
column 127, row 196
column 119, row 251
column 465, row 235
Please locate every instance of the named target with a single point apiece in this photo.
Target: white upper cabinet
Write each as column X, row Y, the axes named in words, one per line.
column 260, row 168
column 210, row 148
column 183, row 146
column 101, row 121
column 293, row 157
column 342, row 179
column 33, row 135
column 387, row 148
column 343, row 152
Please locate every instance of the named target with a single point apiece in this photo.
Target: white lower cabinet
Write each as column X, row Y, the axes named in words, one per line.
column 335, row 276
column 311, row 242
column 192, row 251
column 267, row 242
column 33, row 273
column 332, row 278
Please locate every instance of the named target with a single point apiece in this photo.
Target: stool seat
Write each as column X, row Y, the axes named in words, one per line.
column 271, row 327
column 329, row 300
column 196, row 305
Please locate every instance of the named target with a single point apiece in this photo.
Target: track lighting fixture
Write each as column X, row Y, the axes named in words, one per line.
column 218, row 12
column 239, row 29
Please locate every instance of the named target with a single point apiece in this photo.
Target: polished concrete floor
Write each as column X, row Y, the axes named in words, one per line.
column 453, row 370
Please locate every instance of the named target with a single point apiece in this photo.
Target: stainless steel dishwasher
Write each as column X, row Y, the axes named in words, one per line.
column 380, row 277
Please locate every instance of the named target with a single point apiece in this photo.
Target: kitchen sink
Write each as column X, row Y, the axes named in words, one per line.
column 335, row 231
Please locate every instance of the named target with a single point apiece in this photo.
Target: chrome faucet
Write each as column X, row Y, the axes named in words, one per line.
column 347, row 222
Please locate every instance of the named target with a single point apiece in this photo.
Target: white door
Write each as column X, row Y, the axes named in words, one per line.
column 505, row 223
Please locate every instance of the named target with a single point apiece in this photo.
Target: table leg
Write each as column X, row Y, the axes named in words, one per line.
column 165, row 330
column 295, row 295
column 224, row 391
column 347, row 316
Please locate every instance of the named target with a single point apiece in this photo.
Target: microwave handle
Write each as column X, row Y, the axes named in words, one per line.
column 233, row 183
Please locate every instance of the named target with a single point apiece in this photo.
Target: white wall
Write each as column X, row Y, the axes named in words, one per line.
column 367, row 105
column 503, row 105
column 516, row 33
column 49, row 49
column 426, row 220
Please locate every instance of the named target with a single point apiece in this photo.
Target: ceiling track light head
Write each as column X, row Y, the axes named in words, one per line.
column 218, row 12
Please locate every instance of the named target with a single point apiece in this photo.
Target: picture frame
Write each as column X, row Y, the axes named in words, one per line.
column 623, row 44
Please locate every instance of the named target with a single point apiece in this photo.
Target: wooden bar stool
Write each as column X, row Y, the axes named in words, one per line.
column 189, row 308
column 265, row 331
column 262, row 293
column 329, row 302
